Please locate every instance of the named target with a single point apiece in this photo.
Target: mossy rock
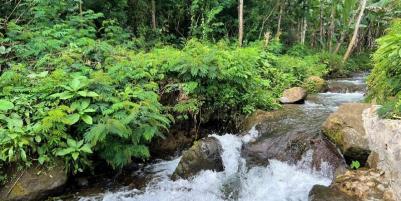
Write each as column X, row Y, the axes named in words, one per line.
column 205, row 154
column 315, row 84
column 34, row 183
column 345, row 129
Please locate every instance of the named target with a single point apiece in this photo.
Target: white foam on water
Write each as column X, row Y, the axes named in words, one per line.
column 275, row 182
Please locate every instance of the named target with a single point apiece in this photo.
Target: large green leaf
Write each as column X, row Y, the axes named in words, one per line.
column 71, row 119
column 86, row 148
column 6, row 105
column 87, row 119
column 64, row 152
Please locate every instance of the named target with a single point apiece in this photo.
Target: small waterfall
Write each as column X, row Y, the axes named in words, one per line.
column 275, row 182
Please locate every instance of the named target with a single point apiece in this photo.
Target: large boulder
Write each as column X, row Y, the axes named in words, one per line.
column 315, row 84
column 384, row 136
column 293, row 95
column 205, row 154
column 292, row 148
column 324, row 193
column 345, row 128
column 34, row 183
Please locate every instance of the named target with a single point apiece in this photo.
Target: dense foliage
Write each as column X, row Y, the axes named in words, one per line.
column 385, row 80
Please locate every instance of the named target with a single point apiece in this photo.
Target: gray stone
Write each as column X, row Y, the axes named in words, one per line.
column 291, row 148
column 34, row 183
column 205, row 154
column 293, row 95
column 384, row 138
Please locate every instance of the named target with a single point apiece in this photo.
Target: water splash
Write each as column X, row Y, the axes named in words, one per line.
column 275, row 182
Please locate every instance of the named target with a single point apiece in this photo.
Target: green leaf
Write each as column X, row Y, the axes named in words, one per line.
column 148, row 132
column 75, row 84
column 97, row 133
column 6, row 105
column 38, row 138
column 66, row 151
column 10, row 154
column 87, row 119
column 41, row 159
column 71, row 119
column 86, row 148
column 355, row 165
column 2, row 50
column 88, row 94
column 23, row 154
column 72, row 143
column 63, row 95
column 118, row 128
column 85, row 103
column 75, row 155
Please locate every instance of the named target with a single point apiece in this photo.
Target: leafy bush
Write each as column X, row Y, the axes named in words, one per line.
column 384, row 82
column 301, row 68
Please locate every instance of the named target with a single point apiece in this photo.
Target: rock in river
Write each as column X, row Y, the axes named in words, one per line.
column 324, row 193
column 34, row 183
column 292, row 147
column 205, row 154
column 293, row 95
column 345, row 128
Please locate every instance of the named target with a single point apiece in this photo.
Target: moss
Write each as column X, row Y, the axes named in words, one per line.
column 314, row 84
column 17, row 191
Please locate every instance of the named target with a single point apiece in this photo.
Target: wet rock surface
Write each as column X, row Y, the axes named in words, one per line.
column 205, row 154
column 365, row 185
column 293, row 95
column 324, row 193
column 345, row 128
column 34, row 183
column 291, row 148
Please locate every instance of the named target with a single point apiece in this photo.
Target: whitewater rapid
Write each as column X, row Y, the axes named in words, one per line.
column 278, row 181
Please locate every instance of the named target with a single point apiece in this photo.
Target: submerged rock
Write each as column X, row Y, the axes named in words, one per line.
column 293, row 95
column 345, row 128
column 34, row 183
column 203, row 155
column 324, row 193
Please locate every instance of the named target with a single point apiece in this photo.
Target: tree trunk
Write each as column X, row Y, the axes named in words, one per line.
column 241, row 22
column 321, row 29
column 344, row 33
column 332, row 25
column 303, row 30
column 154, row 27
column 280, row 15
column 356, row 29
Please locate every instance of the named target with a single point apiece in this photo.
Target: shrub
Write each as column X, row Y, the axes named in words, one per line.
column 384, row 82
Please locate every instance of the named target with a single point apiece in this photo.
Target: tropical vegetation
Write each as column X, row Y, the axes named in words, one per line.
column 86, row 80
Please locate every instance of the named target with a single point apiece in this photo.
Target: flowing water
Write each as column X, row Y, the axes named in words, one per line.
column 277, row 181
